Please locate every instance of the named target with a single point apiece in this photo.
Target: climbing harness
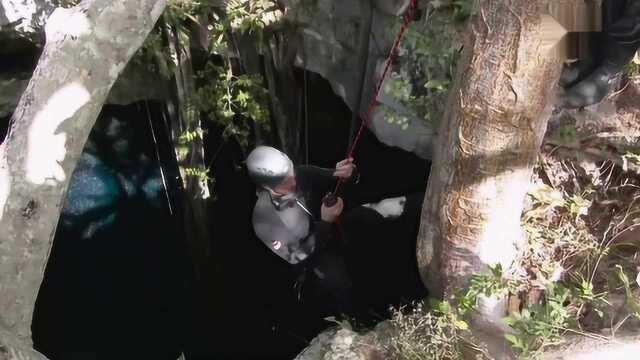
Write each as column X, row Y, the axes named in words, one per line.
column 330, row 199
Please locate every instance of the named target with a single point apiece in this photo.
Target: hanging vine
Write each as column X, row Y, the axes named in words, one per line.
column 235, row 101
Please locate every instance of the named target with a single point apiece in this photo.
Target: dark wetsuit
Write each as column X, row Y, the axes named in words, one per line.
column 294, row 231
column 619, row 41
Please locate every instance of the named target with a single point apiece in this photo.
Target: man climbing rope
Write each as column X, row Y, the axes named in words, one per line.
column 286, row 219
column 285, row 216
column 586, row 85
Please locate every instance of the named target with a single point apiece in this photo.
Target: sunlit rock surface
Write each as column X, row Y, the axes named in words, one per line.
column 21, row 37
column 345, row 344
column 24, row 16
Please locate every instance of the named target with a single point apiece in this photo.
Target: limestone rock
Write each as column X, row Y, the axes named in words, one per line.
column 330, row 33
column 24, row 18
column 10, row 90
column 345, row 344
column 138, row 83
column 135, row 84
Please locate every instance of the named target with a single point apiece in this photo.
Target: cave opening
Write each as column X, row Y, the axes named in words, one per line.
column 120, row 277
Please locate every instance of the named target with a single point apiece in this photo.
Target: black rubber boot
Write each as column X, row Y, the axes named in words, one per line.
column 620, row 42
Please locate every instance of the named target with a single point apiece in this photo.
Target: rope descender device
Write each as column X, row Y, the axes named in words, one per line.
column 329, row 199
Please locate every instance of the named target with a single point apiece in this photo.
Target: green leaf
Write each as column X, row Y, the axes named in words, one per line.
column 192, row 18
column 443, row 307
column 461, row 325
column 512, row 339
column 546, row 195
column 242, row 97
column 632, row 157
column 631, row 302
column 565, row 135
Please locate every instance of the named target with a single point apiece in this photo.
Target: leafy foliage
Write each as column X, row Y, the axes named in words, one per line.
column 632, row 157
column 251, row 16
column 565, row 135
column 189, row 136
column 540, row 325
column 571, row 253
column 154, row 56
column 536, row 325
column 425, row 333
column 491, row 284
column 232, row 101
column 235, row 102
column 427, row 58
column 632, row 69
column 179, row 11
column 630, row 299
column 243, row 17
column 200, row 173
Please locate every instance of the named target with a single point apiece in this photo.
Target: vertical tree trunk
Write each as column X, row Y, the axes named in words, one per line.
column 87, row 48
column 489, row 140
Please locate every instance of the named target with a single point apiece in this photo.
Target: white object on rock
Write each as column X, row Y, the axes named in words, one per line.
column 389, row 208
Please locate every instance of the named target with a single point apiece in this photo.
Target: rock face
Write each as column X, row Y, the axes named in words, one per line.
column 21, row 37
column 22, row 24
column 10, row 90
column 25, row 16
column 344, row 344
column 135, row 84
column 21, row 29
column 138, row 83
column 330, row 32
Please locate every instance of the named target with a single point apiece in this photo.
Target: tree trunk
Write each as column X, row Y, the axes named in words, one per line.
column 489, row 140
column 87, row 48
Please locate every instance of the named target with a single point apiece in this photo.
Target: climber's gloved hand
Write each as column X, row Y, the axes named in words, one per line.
column 330, row 212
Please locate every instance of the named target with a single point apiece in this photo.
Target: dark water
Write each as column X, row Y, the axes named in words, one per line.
column 116, row 278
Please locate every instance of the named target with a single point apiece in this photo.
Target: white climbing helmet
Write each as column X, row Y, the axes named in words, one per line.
column 268, row 166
